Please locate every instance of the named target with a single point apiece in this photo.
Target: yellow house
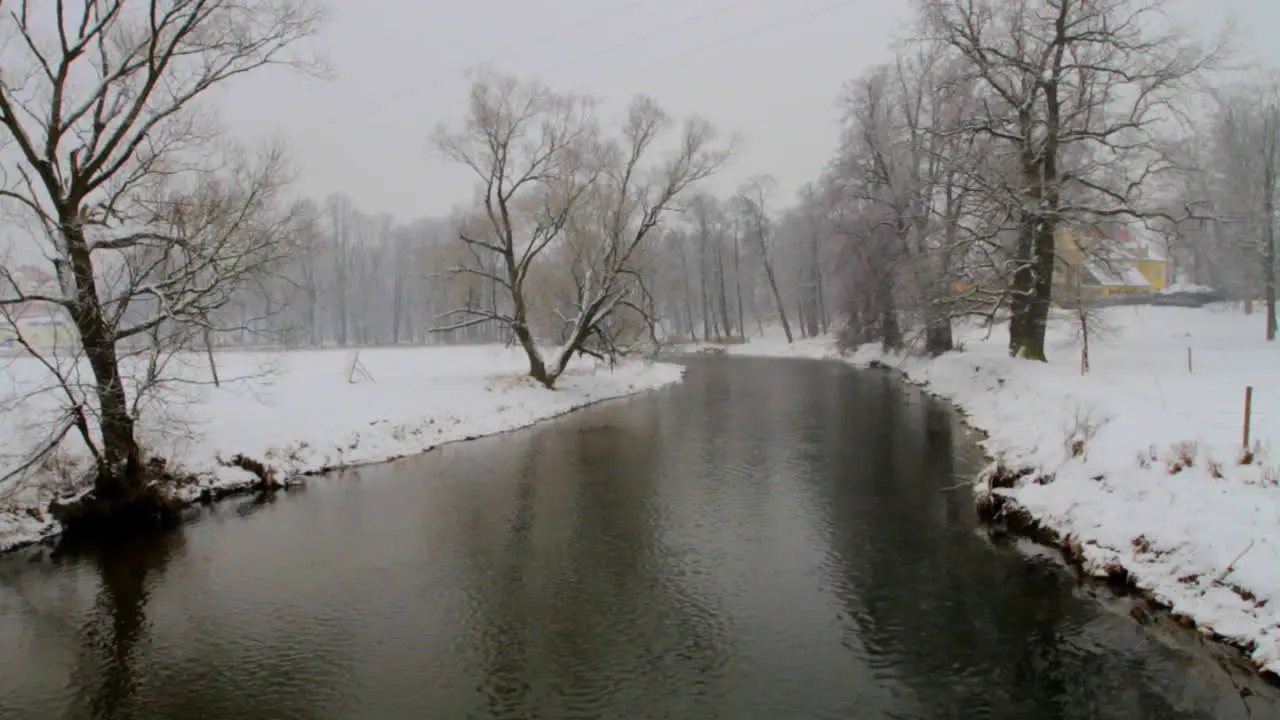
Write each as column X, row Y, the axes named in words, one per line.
column 1107, row 261
column 43, row 328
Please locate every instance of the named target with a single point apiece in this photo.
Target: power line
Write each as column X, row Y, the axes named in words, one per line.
column 557, row 32
column 721, row 41
column 661, row 29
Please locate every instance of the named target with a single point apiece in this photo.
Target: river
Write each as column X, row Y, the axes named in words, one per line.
column 771, row 539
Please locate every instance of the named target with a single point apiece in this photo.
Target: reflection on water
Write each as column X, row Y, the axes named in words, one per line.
column 771, row 539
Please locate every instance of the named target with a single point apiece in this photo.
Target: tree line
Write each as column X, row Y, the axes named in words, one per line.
column 997, row 126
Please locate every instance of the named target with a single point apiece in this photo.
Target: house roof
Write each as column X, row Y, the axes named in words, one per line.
column 1116, row 275
column 1154, row 243
column 1128, row 243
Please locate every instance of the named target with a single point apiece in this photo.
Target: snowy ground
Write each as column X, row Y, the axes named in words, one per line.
column 1141, row 460
column 297, row 413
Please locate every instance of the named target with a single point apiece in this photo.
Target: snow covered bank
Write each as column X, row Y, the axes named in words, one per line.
column 297, row 413
column 1139, row 465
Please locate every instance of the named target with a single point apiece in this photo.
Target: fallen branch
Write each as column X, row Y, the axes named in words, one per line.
column 1231, row 566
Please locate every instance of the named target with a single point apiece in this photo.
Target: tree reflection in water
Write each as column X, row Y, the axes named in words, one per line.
column 116, row 630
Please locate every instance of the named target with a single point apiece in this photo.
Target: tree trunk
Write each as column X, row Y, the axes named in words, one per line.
column 755, row 312
column 537, row 366
column 890, row 329
column 397, row 301
column 810, row 311
column 1041, row 169
column 1028, row 307
column 737, row 284
column 1269, row 219
column 1031, row 340
column 520, row 320
column 119, row 475
column 341, row 272
column 1082, row 316
column 494, row 329
column 773, row 284
column 822, row 304
column 213, row 364
column 811, row 305
column 938, row 338
column 1046, row 226
column 1020, row 335
column 704, row 299
column 777, row 297
column 688, row 297
column 724, row 293
column 818, row 290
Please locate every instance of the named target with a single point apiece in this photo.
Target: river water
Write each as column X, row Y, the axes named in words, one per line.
column 770, row 539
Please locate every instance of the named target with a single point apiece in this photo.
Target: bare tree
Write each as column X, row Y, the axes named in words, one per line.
column 1090, row 320
column 709, row 227
column 753, row 200
column 529, row 147
column 813, row 212
column 1245, row 165
column 550, row 178
column 737, row 276
column 110, row 164
column 1077, row 92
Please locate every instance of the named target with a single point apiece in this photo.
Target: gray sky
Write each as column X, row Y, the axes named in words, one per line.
column 770, row 70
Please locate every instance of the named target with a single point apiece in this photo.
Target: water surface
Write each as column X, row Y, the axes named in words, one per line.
column 770, row 539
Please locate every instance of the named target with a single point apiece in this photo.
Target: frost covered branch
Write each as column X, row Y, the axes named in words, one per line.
column 150, row 221
column 561, row 203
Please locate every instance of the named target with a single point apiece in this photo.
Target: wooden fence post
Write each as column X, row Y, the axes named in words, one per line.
column 1248, row 413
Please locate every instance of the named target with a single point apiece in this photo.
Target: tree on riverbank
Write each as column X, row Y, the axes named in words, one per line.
column 567, row 215
column 1081, row 94
column 753, row 206
column 151, row 220
column 1000, row 125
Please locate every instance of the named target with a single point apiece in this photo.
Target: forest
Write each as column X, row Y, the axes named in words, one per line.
column 999, row 128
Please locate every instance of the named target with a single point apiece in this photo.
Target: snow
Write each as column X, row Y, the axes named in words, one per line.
column 1116, row 275
column 1179, row 287
column 1204, row 539
column 297, row 413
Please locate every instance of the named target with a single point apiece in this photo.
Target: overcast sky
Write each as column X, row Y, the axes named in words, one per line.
column 770, row 70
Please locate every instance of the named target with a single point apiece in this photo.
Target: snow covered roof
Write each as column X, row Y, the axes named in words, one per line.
column 1115, row 275
column 1155, row 245
column 1128, row 243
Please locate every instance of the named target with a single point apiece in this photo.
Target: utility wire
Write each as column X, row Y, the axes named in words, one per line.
column 829, row 7
column 557, row 32
column 661, row 29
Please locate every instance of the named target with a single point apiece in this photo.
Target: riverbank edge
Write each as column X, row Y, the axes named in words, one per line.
column 1000, row 512
column 246, row 476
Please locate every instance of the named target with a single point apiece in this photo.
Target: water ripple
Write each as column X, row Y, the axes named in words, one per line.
column 768, row 540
